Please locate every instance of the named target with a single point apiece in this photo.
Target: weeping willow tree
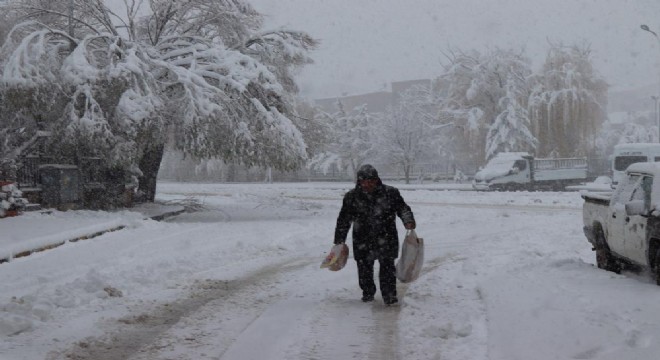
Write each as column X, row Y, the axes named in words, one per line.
column 568, row 102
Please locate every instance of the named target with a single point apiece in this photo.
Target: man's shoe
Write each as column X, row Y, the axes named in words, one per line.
column 390, row 300
column 367, row 298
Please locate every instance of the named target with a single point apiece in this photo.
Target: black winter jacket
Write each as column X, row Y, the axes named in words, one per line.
column 373, row 216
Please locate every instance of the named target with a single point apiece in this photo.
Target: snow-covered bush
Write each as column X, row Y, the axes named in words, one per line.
column 11, row 200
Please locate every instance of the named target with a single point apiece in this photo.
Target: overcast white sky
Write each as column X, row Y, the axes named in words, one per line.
column 368, row 43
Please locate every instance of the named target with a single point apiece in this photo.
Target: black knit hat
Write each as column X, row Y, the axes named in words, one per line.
column 367, row 172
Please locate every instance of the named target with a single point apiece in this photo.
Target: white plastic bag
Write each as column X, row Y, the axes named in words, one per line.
column 336, row 258
column 410, row 263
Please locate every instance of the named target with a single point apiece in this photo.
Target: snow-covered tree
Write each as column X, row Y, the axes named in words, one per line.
column 350, row 139
column 510, row 131
column 455, row 81
column 455, row 109
column 6, row 23
column 116, row 86
column 475, row 85
column 567, row 104
column 409, row 130
column 636, row 133
column 315, row 127
column 636, row 128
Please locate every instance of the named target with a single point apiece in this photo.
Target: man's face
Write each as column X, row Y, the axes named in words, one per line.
column 368, row 185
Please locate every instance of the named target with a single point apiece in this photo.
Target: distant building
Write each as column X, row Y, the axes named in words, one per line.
column 399, row 87
column 375, row 101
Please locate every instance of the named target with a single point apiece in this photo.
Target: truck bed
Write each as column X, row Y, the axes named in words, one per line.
column 594, row 213
column 560, row 174
column 560, row 169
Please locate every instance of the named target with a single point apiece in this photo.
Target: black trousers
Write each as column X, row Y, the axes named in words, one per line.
column 386, row 276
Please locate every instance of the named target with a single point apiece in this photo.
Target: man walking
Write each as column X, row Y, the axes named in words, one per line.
column 371, row 208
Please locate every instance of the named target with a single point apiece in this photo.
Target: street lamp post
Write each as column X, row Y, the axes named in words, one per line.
column 656, row 99
column 656, row 108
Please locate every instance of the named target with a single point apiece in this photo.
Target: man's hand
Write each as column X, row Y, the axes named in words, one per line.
column 409, row 226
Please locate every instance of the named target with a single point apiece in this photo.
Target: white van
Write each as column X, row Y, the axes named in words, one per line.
column 626, row 154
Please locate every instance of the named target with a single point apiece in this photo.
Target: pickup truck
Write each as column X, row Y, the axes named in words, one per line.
column 624, row 226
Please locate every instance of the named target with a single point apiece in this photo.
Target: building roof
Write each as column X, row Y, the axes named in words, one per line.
column 375, row 101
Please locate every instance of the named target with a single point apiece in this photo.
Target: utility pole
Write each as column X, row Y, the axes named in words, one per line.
column 655, row 98
column 656, row 106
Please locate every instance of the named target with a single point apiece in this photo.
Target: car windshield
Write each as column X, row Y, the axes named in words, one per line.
column 498, row 164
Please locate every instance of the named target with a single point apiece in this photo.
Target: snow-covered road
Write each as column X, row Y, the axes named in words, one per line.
column 507, row 276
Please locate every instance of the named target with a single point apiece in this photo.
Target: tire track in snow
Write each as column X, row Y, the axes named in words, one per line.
column 346, row 328
column 310, row 324
column 149, row 335
column 342, row 327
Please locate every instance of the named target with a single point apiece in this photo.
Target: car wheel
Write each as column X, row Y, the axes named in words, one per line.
column 656, row 267
column 606, row 261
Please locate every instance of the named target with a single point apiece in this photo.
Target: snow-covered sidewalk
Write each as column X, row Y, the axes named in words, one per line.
column 41, row 230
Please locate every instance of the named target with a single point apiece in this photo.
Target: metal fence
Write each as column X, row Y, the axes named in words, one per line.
column 561, row 163
column 27, row 174
column 387, row 171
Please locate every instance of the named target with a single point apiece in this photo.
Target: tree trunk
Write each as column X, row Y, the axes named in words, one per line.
column 269, row 175
column 231, row 172
column 149, row 165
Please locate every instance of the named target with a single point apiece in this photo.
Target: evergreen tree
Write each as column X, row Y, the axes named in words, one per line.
column 475, row 86
column 510, row 131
